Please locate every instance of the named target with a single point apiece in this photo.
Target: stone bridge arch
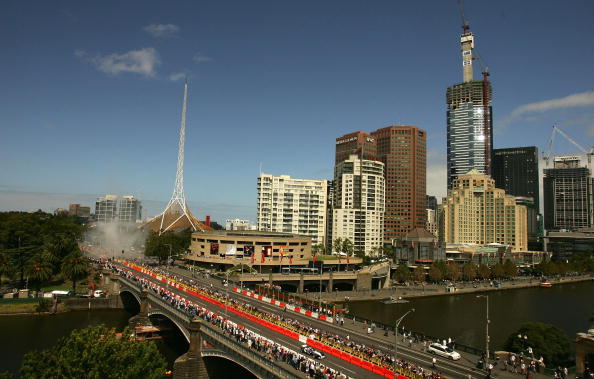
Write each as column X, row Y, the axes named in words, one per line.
column 182, row 328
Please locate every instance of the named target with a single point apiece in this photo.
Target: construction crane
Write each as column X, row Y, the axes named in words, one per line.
column 547, row 155
column 465, row 24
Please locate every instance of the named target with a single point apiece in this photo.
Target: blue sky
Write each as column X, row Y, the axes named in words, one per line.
column 91, row 92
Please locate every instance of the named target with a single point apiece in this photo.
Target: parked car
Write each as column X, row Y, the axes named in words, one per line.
column 444, row 351
column 312, row 352
column 99, row 293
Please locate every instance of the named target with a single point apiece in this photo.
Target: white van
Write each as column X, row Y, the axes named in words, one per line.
column 60, row 293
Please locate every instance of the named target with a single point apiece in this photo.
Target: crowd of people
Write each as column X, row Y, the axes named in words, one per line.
column 343, row 343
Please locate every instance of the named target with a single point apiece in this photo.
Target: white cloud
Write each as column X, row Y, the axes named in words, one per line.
column 143, row 61
column 177, row 76
column 161, row 30
column 201, row 58
column 582, row 99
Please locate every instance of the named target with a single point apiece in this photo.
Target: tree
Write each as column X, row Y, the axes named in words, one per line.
column 546, row 340
column 347, row 247
column 96, row 352
column 483, row 271
column 317, row 248
column 75, row 267
column 453, row 272
column 159, row 246
column 5, row 265
column 510, row 270
column 402, row 273
column 39, row 270
column 337, row 246
column 497, row 271
column 441, row 266
column 418, row 274
column 435, row 274
column 469, row 271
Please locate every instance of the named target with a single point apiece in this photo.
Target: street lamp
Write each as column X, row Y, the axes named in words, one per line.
column 486, row 329
column 396, row 339
column 320, row 298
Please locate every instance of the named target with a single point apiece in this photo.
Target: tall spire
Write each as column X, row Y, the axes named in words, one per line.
column 176, row 214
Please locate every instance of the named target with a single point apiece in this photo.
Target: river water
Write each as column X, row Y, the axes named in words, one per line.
column 20, row 334
column 462, row 317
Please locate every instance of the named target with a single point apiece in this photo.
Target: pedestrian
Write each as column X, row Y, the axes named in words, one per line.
column 433, row 361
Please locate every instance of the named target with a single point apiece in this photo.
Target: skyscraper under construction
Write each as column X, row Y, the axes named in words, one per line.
column 469, row 118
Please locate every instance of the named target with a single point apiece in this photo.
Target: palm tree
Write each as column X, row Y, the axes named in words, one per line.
column 39, row 270
column 75, row 267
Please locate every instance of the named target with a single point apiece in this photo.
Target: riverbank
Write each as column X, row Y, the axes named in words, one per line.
column 29, row 306
column 419, row 291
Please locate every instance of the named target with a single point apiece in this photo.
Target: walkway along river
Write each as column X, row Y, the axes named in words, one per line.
column 462, row 317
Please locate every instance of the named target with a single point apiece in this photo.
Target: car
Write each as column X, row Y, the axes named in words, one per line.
column 99, row 293
column 312, row 352
column 444, row 351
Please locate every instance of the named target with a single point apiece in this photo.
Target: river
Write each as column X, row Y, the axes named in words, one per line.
column 22, row 333
column 462, row 317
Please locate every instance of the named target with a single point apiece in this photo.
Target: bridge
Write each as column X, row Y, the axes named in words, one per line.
column 204, row 339
column 208, row 339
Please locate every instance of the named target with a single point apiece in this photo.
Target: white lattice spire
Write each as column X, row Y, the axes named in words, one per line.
column 177, row 205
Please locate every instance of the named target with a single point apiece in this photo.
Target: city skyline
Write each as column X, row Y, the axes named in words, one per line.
column 92, row 97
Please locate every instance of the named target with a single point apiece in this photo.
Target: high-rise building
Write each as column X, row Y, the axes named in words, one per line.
column 568, row 202
column 469, row 118
column 106, row 208
column 130, row 209
column 515, row 170
column 237, row 224
column 402, row 149
column 476, row 212
column 77, row 210
column 358, row 210
column 290, row 205
column 431, row 202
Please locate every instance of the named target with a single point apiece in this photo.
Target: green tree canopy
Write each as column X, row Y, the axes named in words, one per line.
column 159, row 246
column 96, row 352
column 469, row 271
column 75, row 267
column 435, row 274
column 510, row 270
column 441, row 266
column 453, row 271
column 402, row 273
column 483, row 271
column 418, row 274
column 545, row 340
column 39, row 270
column 497, row 271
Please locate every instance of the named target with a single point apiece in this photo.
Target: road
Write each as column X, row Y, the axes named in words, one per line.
column 330, row 361
column 356, row 332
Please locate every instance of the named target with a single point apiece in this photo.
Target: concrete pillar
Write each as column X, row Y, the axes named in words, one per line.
column 105, row 279
column 270, row 278
column 191, row 364
column 115, row 284
column 300, row 288
column 330, row 282
column 142, row 317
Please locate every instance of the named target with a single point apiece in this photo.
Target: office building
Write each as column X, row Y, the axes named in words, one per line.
column 106, row 208
column 358, row 209
column 288, row 205
column 432, row 225
column 563, row 245
column 469, row 119
column 77, row 210
column 237, row 224
column 130, row 209
column 431, row 202
column 476, row 212
column 403, row 150
column 567, row 191
column 515, row 170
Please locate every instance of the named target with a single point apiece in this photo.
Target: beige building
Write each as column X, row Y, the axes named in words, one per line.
column 432, row 224
column 359, row 203
column 227, row 248
column 476, row 212
column 297, row 206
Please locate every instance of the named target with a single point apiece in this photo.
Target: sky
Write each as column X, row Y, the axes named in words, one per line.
column 91, row 92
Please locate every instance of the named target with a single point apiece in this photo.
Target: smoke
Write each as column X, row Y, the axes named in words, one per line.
column 116, row 239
